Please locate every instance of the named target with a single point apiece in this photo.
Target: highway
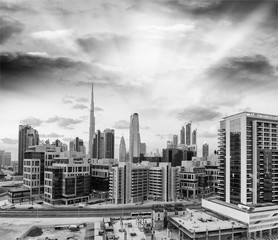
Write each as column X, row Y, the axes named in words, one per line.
column 102, row 211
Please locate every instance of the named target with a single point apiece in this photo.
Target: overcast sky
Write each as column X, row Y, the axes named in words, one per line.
column 171, row 61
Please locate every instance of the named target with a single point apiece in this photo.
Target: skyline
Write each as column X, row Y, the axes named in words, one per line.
column 170, row 61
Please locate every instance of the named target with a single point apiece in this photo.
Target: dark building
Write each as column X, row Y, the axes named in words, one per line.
column 188, row 134
column 182, row 135
column 155, row 159
column 103, row 146
column 27, row 137
column 175, row 156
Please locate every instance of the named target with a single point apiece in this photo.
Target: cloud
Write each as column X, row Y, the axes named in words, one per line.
column 31, row 121
column 245, row 73
column 12, row 7
column 64, row 122
column 82, row 99
column 9, row 28
column 100, row 45
column 98, row 109
column 169, row 29
column 9, row 141
column 198, row 114
column 66, row 101
column 62, row 38
column 121, row 124
column 212, row 133
column 160, row 136
column 51, row 135
column 30, row 69
column 79, row 106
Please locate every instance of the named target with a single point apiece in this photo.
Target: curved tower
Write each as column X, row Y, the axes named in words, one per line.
column 92, row 124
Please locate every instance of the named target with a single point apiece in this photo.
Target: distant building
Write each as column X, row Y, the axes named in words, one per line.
column 27, row 137
column 248, row 155
column 122, row 151
column 188, row 134
column 109, row 143
column 134, row 137
column 143, row 149
column 175, row 141
column 176, row 156
column 170, row 144
column 205, row 150
column 182, row 136
column 5, row 159
column 103, row 144
column 194, row 137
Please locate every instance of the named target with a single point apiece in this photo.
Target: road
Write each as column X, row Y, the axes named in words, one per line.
column 80, row 212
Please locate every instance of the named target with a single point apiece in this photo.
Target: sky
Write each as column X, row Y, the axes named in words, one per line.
column 170, row 61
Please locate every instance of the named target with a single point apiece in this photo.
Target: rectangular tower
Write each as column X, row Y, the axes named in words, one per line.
column 248, row 155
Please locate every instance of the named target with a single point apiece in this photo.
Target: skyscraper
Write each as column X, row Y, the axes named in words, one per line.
column 194, row 137
column 248, row 156
column 188, row 134
column 92, row 124
column 109, row 142
column 175, row 141
column 205, row 150
column 134, row 137
column 122, row 150
column 182, row 135
column 27, row 137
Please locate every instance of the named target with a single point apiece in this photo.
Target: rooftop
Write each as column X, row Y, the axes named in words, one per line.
column 199, row 221
column 257, row 115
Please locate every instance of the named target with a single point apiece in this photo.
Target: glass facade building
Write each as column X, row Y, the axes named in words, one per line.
column 248, row 156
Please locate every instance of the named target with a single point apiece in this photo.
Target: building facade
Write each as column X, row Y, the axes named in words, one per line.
column 205, row 150
column 182, row 136
column 248, row 155
column 27, row 137
column 68, row 180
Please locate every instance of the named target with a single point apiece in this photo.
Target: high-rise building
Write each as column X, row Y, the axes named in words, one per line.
column 188, row 134
column 27, row 137
column 182, row 135
column 122, row 150
column 205, row 150
column 175, row 141
column 143, row 149
column 72, row 145
column 103, row 146
column 248, row 156
column 109, row 142
column 92, row 124
column 134, row 137
column 194, row 137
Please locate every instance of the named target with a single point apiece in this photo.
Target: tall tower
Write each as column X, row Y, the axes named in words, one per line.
column 188, row 134
column 92, row 124
column 109, row 138
column 134, row 137
column 194, row 137
column 182, row 135
column 248, row 157
column 175, row 141
column 122, row 150
column 27, row 137
column 205, row 150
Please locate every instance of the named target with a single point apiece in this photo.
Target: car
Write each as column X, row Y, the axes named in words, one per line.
column 30, row 207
